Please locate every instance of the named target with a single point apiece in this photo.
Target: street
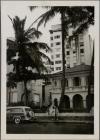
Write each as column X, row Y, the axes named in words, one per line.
column 51, row 128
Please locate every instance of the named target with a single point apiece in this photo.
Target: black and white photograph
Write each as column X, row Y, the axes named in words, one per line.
column 49, row 70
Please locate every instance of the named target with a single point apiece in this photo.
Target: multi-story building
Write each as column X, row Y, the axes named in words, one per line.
column 75, row 53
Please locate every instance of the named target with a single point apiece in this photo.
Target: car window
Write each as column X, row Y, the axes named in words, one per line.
column 16, row 110
column 28, row 109
column 8, row 111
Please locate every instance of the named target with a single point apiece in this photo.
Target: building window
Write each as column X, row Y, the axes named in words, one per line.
column 67, row 46
column 55, row 82
column 52, row 69
column 76, row 81
column 51, row 32
column 57, row 55
column 58, row 68
column 51, row 38
column 57, row 62
column 81, row 44
column 74, row 52
column 81, row 50
column 52, row 63
column 57, row 43
column 57, row 36
column 66, row 82
column 68, row 53
column 51, row 44
column 68, row 65
column 52, row 57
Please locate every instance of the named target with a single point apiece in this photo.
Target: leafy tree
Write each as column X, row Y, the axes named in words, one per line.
column 10, row 84
column 29, row 52
column 78, row 18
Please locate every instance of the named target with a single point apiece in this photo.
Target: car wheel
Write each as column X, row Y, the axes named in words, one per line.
column 17, row 120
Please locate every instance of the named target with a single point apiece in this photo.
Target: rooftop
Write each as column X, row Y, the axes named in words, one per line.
column 77, row 69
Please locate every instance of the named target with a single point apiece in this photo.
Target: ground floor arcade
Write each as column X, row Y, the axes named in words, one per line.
column 76, row 101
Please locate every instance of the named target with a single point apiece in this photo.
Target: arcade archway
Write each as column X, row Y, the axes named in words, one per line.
column 66, row 102
column 77, row 102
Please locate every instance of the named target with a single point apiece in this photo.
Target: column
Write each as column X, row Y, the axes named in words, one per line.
column 70, row 82
column 71, row 101
column 83, row 82
column 84, row 103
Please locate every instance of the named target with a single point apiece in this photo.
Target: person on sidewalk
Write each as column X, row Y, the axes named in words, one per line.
column 51, row 111
column 56, row 108
column 56, row 113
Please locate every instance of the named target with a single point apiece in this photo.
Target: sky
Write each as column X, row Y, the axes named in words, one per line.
column 18, row 9
column 22, row 11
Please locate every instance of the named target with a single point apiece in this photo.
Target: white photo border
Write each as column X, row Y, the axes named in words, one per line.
column 5, row 136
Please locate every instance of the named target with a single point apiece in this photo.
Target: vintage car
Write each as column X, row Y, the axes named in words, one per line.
column 19, row 114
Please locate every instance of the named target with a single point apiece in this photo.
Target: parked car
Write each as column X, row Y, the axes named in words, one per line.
column 18, row 114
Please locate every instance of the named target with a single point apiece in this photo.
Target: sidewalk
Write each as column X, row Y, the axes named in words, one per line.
column 66, row 114
column 65, row 118
column 50, row 120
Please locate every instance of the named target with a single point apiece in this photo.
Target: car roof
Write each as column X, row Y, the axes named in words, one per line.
column 17, row 107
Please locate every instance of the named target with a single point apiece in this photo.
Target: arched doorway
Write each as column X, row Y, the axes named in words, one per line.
column 90, row 101
column 66, row 102
column 77, row 102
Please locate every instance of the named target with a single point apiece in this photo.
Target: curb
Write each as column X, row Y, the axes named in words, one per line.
column 62, row 121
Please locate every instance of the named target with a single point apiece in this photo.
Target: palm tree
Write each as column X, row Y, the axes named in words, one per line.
column 78, row 18
column 90, row 80
column 29, row 53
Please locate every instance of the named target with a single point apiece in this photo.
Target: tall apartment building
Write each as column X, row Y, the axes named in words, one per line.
column 73, row 55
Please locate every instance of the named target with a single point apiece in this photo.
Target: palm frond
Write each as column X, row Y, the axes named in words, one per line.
column 10, row 18
column 44, row 56
column 32, row 8
column 39, row 45
column 32, row 33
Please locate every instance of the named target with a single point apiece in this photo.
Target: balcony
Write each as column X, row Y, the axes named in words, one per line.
column 71, row 89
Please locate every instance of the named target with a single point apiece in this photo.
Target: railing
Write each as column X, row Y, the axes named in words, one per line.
column 71, row 89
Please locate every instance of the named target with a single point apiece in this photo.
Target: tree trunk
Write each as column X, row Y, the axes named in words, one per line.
column 90, row 76
column 63, row 60
column 9, row 96
column 25, row 91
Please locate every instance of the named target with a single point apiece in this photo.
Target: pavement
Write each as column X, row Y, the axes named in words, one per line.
column 63, row 121
column 66, row 114
column 65, row 118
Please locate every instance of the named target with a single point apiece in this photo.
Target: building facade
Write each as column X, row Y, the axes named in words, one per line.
column 75, row 53
column 36, row 93
column 76, row 90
